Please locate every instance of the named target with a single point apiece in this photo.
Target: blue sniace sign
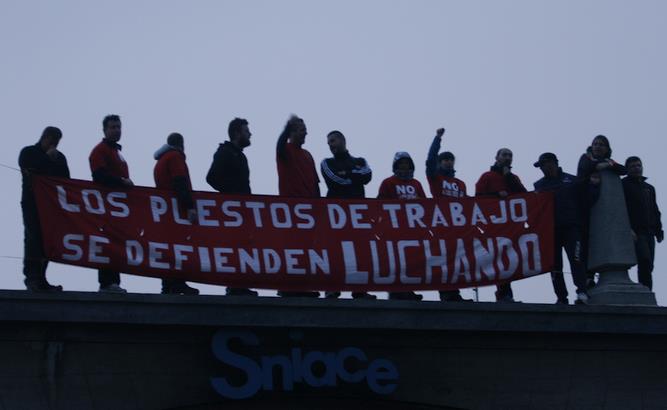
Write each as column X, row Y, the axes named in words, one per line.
column 240, row 352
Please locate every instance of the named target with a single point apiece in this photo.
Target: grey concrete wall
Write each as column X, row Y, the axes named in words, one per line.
column 90, row 351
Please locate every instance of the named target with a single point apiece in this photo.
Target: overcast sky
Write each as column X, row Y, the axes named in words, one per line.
column 530, row 75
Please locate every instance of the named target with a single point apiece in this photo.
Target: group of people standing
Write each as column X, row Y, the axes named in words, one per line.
column 345, row 177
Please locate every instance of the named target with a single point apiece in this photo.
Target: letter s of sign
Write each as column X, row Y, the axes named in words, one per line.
column 221, row 351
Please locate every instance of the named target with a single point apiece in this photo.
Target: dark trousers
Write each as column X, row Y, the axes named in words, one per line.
column 107, row 277
column 34, row 262
column 568, row 238
column 168, row 284
column 504, row 291
column 449, row 294
column 645, row 250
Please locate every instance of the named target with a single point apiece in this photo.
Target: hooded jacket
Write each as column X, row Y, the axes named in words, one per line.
column 397, row 187
column 229, row 172
column 442, row 183
column 171, row 173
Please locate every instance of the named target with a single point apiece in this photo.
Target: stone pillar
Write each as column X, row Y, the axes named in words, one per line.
column 611, row 250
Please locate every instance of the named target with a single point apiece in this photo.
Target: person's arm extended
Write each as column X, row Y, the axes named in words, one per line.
column 432, row 157
column 282, row 142
column 617, row 168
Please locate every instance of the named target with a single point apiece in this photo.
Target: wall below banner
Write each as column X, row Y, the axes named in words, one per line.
column 91, row 351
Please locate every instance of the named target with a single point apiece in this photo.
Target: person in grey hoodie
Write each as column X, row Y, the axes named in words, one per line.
column 171, row 173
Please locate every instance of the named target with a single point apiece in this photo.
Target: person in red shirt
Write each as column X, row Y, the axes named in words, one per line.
column 109, row 168
column 500, row 182
column 171, row 173
column 297, row 176
column 440, row 173
column 402, row 185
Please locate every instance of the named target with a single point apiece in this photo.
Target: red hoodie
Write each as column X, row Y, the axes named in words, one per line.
column 397, row 188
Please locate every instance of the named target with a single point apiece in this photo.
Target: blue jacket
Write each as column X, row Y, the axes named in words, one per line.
column 567, row 198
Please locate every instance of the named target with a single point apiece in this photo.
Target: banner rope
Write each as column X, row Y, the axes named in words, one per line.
column 10, row 167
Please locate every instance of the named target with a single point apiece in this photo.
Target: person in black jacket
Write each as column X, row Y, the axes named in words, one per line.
column 644, row 218
column 229, row 173
column 598, row 158
column 345, row 176
column 43, row 158
column 567, row 225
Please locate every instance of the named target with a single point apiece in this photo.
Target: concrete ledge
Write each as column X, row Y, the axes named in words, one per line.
column 97, row 351
column 217, row 311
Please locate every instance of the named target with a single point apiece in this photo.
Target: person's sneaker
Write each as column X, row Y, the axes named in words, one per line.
column 240, row 292
column 582, row 298
column 43, row 287
column 331, row 295
column 363, row 295
column 453, row 298
column 562, row 301
column 291, row 294
column 405, row 296
column 507, row 299
column 113, row 288
column 182, row 289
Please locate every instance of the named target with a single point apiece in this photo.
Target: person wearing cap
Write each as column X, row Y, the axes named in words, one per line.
column 345, row 177
column 500, row 182
column 644, row 218
column 567, row 226
column 402, row 185
column 442, row 181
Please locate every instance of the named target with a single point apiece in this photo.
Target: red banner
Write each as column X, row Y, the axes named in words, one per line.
column 298, row 244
